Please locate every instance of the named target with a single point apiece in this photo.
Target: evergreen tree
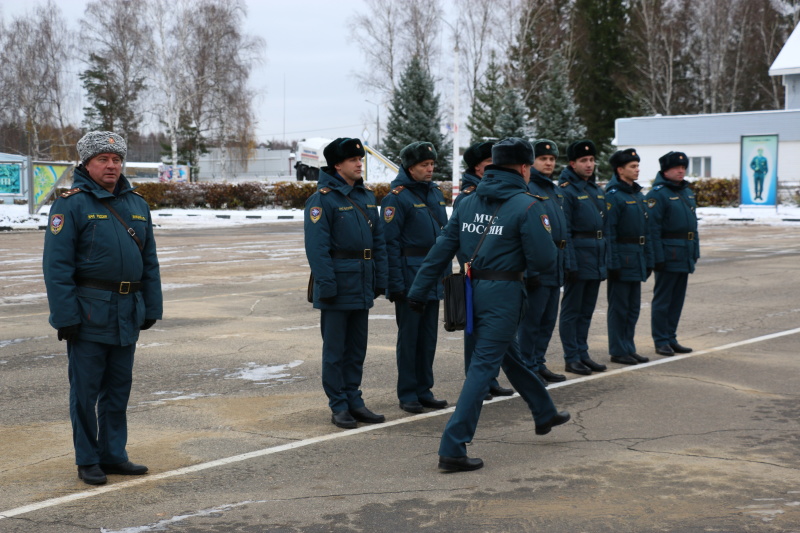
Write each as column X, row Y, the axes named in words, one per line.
column 557, row 117
column 110, row 109
column 414, row 116
column 513, row 119
column 488, row 104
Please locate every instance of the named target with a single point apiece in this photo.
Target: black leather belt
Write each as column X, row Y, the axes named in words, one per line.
column 560, row 244
column 366, row 253
column 496, row 275
column 121, row 287
column 414, row 252
column 689, row 236
column 587, row 234
column 632, row 240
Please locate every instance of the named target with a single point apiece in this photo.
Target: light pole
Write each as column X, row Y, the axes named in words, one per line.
column 378, row 111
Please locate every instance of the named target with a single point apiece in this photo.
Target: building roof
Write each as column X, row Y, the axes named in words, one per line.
column 9, row 158
column 788, row 60
column 719, row 128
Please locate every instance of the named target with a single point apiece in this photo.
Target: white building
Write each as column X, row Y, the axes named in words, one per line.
column 712, row 141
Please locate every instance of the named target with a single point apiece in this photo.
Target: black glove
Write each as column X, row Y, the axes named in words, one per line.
column 614, row 274
column 399, row 296
column 68, row 333
column 379, row 292
column 416, row 306
column 660, row 267
column 147, row 324
column 330, row 300
column 571, row 276
column 649, row 271
column 532, row 283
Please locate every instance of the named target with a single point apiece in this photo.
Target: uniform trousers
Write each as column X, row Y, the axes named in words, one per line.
column 100, row 377
column 416, row 347
column 669, row 294
column 344, row 348
column 469, row 347
column 536, row 328
column 577, row 308
column 624, row 303
column 487, row 358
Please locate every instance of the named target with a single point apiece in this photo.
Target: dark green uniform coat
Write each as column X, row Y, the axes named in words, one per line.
column 469, row 182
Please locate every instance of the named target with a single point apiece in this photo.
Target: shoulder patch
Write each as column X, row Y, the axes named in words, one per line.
column 325, row 190
column 398, row 189
column 651, row 203
column 315, row 213
column 608, row 206
column 546, row 222
column 388, row 213
column 56, row 222
column 67, row 194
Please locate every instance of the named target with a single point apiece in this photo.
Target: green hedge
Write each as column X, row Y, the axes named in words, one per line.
column 716, row 192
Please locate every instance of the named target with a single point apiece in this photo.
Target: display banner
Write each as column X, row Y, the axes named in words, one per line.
column 45, row 179
column 758, row 183
column 10, row 178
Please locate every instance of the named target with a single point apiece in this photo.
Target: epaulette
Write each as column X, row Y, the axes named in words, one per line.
column 67, row 194
column 367, row 187
column 530, row 194
column 325, row 190
column 398, row 189
column 657, row 187
column 564, row 184
column 137, row 193
column 611, row 191
column 468, row 190
column 538, row 197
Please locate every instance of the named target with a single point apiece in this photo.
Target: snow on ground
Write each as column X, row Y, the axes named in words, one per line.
column 16, row 217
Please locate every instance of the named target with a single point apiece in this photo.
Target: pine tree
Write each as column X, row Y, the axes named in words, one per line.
column 557, row 116
column 513, row 120
column 488, row 104
column 109, row 109
column 414, row 116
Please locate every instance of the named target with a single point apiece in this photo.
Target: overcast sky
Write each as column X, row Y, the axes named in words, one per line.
column 311, row 49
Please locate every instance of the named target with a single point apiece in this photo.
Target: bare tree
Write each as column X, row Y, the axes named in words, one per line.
column 477, row 23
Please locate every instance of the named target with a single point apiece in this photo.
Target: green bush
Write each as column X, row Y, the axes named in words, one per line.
column 716, row 192
column 293, row 194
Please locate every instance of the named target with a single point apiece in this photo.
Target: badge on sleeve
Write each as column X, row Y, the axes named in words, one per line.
column 56, row 223
column 651, row 203
column 315, row 213
column 388, row 213
column 546, row 223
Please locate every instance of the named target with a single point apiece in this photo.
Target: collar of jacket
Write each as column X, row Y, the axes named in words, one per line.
column 617, row 183
column 500, row 183
column 82, row 179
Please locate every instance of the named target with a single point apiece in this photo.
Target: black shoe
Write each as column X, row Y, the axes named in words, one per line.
column 559, row 418
column 459, row 464
column 362, row 414
column 488, row 397
column 551, row 376
column 124, row 469
column 343, row 419
column 593, row 366
column 665, row 350
column 92, row 475
column 412, row 407
column 578, row 367
column 624, row 360
column 677, row 348
column 433, row 403
column 640, row 358
column 501, row 391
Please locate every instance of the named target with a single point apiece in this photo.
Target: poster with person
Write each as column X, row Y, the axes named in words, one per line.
column 759, row 170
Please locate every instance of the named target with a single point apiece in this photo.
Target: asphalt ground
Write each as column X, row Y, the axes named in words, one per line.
column 228, row 412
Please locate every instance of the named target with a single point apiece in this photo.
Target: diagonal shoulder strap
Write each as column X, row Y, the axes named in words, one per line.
column 426, row 206
column 366, row 217
column 129, row 229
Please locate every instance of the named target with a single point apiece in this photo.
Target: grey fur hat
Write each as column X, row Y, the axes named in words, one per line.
column 101, row 142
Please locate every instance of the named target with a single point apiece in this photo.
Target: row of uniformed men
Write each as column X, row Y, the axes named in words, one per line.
column 357, row 254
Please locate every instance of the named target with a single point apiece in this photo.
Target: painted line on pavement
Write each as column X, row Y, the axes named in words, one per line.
column 331, row 436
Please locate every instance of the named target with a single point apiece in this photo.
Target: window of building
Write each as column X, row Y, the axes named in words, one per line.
column 699, row 167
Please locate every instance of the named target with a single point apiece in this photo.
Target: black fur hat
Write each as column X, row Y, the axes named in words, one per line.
column 476, row 153
column 580, row 149
column 512, row 151
column 342, row 148
column 417, row 152
column 673, row 159
column 545, row 147
column 621, row 158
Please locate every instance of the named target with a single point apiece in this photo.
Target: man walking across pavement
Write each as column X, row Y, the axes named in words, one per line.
column 103, row 287
column 502, row 232
column 413, row 217
column 585, row 211
column 676, row 249
column 631, row 257
column 477, row 157
column 347, row 253
column 544, row 288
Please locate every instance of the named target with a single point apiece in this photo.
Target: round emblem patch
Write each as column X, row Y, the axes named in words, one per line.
column 651, row 203
column 56, row 223
column 314, row 214
column 546, row 222
column 388, row 214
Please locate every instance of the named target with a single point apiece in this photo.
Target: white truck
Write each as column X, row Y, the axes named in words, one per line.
column 310, row 158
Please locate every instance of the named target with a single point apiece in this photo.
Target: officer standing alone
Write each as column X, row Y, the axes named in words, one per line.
column 103, row 287
column 676, row 248
column 347, row 254
column 511, row 233
column 631, row 257
column 585, row 209
column 413, row 217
